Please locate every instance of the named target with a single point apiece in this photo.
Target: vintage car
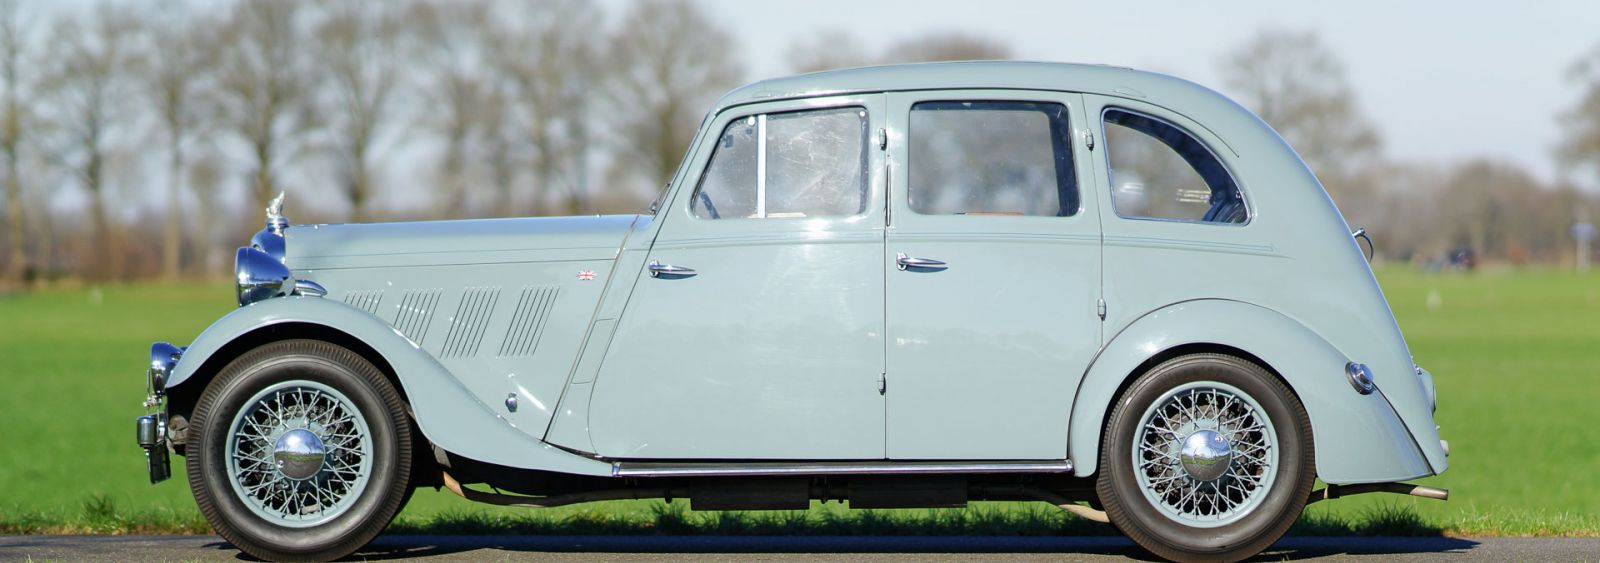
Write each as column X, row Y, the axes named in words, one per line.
column 1109, row 290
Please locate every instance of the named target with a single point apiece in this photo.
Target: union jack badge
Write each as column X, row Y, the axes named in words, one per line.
column 586, row 275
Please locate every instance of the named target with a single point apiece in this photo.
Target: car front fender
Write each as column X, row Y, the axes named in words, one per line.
column 446, row 412
column 1358, row 438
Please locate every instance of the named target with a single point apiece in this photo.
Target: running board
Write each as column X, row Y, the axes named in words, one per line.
column 746, row 469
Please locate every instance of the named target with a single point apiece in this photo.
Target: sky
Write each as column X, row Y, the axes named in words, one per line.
column 1443, row 81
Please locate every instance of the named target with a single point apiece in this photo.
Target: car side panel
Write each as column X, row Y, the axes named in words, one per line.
column 1358, row 438
column 502, row 330
column 450, row 414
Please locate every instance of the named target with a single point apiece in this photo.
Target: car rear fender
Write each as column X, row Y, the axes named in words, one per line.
column 1358, row 438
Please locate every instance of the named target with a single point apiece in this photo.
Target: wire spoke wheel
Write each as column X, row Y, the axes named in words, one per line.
column 1208, row 457
column 299, row 453
column 1206, row 453
column 299, row 450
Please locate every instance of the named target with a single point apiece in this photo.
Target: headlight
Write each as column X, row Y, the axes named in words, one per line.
column 269, row 241
column 163, row 357
column 259, row 276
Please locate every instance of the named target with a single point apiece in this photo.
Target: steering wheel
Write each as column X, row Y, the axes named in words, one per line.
column 712, row 209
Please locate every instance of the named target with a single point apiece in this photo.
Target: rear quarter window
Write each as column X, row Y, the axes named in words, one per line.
column 1160, row 171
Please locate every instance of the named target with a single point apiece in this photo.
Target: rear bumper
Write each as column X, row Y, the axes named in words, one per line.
column 1438, row 463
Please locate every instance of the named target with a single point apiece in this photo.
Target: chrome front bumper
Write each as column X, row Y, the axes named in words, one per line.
column 152, row 432
column 151, row 429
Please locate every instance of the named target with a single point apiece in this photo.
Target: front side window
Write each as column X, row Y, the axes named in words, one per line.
column 1158, row 171
column 991, row 158
column 797, row 164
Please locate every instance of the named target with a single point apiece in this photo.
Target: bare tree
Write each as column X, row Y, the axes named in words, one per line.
column 205, row 178
column 829, row 49
column 945, row 46
column 263, row 81
column 453, row 86
column 549, row 60
column 174, row 68
column 497, row 145
column 1581, row 146
column 1295, row 84
column 356, row 46
column 14, row 39
column 88, row 88
column 839, row 49
column 671, row 61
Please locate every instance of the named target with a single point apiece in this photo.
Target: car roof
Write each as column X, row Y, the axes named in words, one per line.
column 1021, row 75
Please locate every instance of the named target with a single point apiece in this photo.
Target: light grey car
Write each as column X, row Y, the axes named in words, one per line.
column 1113, row 291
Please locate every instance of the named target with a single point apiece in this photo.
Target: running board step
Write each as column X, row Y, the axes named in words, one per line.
column 745, row 469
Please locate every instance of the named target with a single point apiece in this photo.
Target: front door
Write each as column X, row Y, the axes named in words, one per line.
column 992, row 264
column 758, row 333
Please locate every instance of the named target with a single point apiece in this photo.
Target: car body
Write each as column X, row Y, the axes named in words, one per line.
column 949, row 272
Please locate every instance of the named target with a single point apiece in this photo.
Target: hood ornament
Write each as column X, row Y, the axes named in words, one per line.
column 276, row 222
column 270, row 240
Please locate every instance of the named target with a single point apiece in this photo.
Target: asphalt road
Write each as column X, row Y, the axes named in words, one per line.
column 700, row 548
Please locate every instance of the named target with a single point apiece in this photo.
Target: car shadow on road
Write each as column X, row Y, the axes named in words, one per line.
column 1310, row 547
column 397, row 547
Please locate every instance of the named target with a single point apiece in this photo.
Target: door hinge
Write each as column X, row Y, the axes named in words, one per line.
column 1088, row 139
column 1100, row 308
column 883, row 383
column 883, row 139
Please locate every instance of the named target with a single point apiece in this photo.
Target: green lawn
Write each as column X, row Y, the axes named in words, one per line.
column 1515, row 356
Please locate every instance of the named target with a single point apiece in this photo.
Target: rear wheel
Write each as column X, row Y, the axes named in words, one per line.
column 299, row 449
column 1206, row 457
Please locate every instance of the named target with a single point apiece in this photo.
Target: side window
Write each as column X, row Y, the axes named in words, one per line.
column 797, row 164
column 991, row 158
column 1160, row 172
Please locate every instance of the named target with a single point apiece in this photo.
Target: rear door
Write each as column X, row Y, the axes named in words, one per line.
column 992, row 271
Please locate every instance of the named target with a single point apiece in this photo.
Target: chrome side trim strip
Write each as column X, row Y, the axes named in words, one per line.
column 737, row 469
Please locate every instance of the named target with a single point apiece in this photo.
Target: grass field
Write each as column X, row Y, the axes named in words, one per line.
column 1516, row 356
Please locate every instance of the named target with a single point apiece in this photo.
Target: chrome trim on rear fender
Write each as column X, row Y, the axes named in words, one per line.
column 733, row 469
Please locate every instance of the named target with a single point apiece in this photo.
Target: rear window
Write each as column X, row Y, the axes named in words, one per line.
column 1159, row 171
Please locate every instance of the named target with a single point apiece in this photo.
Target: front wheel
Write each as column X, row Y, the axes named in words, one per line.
column 301, row 450
column 1206, row 457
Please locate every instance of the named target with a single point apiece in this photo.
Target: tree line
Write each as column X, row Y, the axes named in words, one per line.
column 509, row 108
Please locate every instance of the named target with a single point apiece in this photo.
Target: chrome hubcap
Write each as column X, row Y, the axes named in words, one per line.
column 299, row 454
column 1205, row 455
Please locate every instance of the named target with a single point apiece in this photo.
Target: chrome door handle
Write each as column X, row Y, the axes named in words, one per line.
column 904, row 262
column 657, row 269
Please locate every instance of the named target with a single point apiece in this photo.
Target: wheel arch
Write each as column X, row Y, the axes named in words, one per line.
column 1358, row 438
column 181, row 399
column 446, row 412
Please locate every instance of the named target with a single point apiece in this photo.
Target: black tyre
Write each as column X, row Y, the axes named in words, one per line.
column 300, row 450
column 1206, row 457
